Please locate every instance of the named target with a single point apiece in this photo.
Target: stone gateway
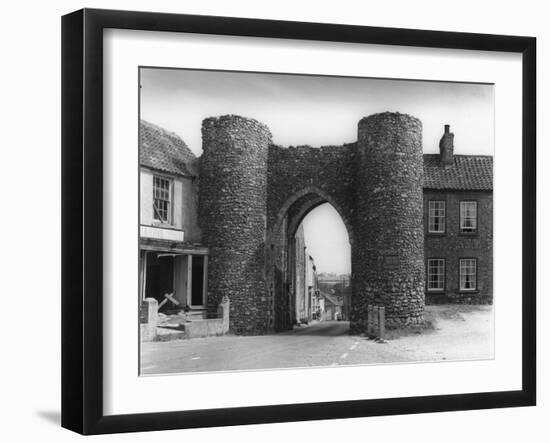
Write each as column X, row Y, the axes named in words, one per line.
column 253, row 196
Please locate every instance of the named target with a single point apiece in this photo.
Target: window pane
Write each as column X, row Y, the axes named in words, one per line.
column 436, row 274
column 161, row 199
column 468, row 274
column 468, row 216
column 436, row 216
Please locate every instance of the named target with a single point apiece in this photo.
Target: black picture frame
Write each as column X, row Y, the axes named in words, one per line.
column 82, row 218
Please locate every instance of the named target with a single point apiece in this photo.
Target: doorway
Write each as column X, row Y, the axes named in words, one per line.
column 160, row 278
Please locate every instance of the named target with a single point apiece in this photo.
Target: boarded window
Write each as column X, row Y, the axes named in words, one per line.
column 391, row 262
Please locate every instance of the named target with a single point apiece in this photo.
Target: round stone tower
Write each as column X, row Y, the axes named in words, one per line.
column 232, row 214
column 388, row 251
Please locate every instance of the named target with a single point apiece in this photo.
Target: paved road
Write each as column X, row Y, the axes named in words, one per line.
column 460, row 332
column 320, row 344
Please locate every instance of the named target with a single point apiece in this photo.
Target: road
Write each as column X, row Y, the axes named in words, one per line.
column 320, row 344
column 459, row 332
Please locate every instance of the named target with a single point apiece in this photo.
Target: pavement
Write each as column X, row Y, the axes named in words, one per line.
column 458, row 333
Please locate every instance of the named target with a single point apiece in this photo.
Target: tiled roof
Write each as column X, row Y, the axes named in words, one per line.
column 332, row 299
column 163, row 150
column 467, row 173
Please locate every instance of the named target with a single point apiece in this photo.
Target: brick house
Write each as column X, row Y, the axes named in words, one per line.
column 458, row 226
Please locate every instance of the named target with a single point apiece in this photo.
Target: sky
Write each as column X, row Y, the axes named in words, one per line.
column 317, row 111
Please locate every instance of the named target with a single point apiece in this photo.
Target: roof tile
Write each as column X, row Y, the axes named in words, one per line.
column 163, row 150
column 467, row 173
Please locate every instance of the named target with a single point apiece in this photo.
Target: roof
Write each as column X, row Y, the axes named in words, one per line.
column 166, row 151
column 332, row 299
column 163, row 150
column 467, row 173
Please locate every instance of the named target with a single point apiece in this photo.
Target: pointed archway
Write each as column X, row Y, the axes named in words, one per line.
column 284, row 256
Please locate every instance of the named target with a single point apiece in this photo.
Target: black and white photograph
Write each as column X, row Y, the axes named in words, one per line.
column 243, row 222
column 307, row 221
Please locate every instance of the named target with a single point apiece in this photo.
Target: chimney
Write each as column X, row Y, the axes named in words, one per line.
column 446, row 147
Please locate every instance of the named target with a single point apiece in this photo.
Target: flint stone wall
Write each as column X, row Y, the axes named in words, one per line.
column 253, row 195
column 299, row 171
column 388, row 254
column 299, row 179
column 232, row 213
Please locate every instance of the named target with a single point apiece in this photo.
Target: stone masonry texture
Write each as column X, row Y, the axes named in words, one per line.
column 299, row 179
column 388, row 253
column 253, row 196
column 232, row 212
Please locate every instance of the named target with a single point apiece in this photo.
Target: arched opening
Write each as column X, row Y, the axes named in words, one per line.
column 311, row 239
column 328, row 251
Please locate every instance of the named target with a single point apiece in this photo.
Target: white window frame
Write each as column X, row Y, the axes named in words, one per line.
column 465, row 264
column 170, row 200
column 435, row 207
column 463, row 208
column 440, row 272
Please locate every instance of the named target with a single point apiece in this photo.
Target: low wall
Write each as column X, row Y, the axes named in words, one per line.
column 204, row 328
column 191, row 329
column 212, row 326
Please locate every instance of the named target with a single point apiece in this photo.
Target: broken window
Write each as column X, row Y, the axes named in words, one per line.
column 161, row 199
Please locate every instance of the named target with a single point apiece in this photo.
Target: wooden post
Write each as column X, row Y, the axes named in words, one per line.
column 144, row 277
column 189, row 278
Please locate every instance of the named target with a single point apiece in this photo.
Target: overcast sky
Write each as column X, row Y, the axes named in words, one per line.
column 317, row 111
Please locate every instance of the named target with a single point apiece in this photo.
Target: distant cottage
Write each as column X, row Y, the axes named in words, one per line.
column 228, row 224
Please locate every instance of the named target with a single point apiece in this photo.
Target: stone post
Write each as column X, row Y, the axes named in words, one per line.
column 148, row 327
column 375, row 323
column 370, row 322
column 382, row 323
column 223, row 313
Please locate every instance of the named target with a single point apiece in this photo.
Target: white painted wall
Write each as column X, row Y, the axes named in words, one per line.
column 146, row 199
column 184, row 206
column 30, row 107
